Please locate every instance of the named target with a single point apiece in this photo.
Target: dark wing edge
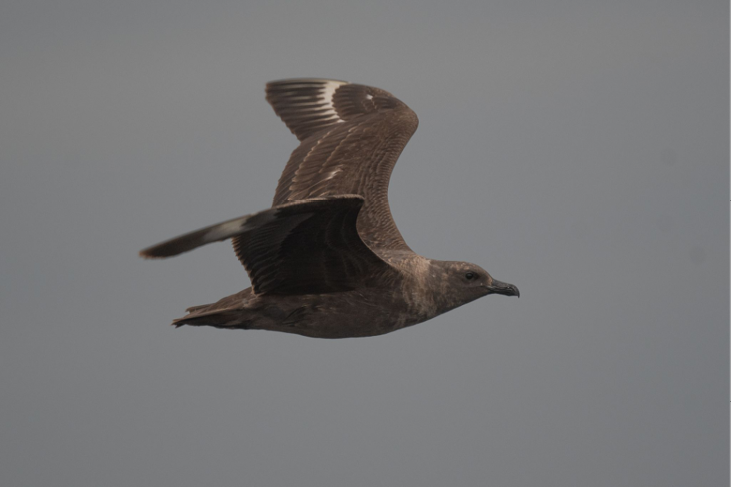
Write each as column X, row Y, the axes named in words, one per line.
column 310, row 105
column 304, row 104
column 210, row 234
column 304, row 247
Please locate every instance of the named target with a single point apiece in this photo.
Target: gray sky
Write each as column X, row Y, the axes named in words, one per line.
column 578, row 149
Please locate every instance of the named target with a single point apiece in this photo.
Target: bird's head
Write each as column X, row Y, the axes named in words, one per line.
column 463, row 282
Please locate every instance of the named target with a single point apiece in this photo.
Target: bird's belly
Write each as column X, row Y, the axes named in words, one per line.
column 361, row 313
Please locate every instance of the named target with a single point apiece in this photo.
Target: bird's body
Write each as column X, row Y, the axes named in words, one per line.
column 327, row 259
column 380, row 307
column 362, row 312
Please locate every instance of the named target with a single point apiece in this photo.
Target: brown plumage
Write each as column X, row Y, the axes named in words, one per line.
column 327, row 260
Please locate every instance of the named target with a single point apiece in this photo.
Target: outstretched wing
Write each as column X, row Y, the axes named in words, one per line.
column 352, row 135
column 305, row 247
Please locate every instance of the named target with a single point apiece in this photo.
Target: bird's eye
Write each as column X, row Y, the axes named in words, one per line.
column 470, row 276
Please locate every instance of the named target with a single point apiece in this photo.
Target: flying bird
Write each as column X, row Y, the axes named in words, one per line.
column 327, row 260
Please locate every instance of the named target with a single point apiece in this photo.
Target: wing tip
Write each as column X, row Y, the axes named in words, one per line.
column 153, row 253
column 147, row 255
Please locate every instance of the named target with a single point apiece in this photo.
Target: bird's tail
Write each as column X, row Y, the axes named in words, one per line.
column 218, row 318
column 229, row 312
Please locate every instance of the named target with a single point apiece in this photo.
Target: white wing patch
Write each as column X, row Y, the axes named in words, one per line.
column 223, row 231
column 329, row 89
column 235, row 227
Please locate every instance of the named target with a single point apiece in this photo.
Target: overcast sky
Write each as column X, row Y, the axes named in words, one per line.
column 578, row 149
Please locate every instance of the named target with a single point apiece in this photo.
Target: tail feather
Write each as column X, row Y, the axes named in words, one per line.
column 217, row 318
column 193, row 309
column 228, row 312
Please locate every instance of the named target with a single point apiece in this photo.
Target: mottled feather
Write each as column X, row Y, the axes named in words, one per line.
column 352, row 136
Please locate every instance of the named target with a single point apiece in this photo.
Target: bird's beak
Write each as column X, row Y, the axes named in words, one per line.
column 498, row 287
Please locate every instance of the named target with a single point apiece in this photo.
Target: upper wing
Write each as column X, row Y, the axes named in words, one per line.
column 352, row 135
column 304, row 247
